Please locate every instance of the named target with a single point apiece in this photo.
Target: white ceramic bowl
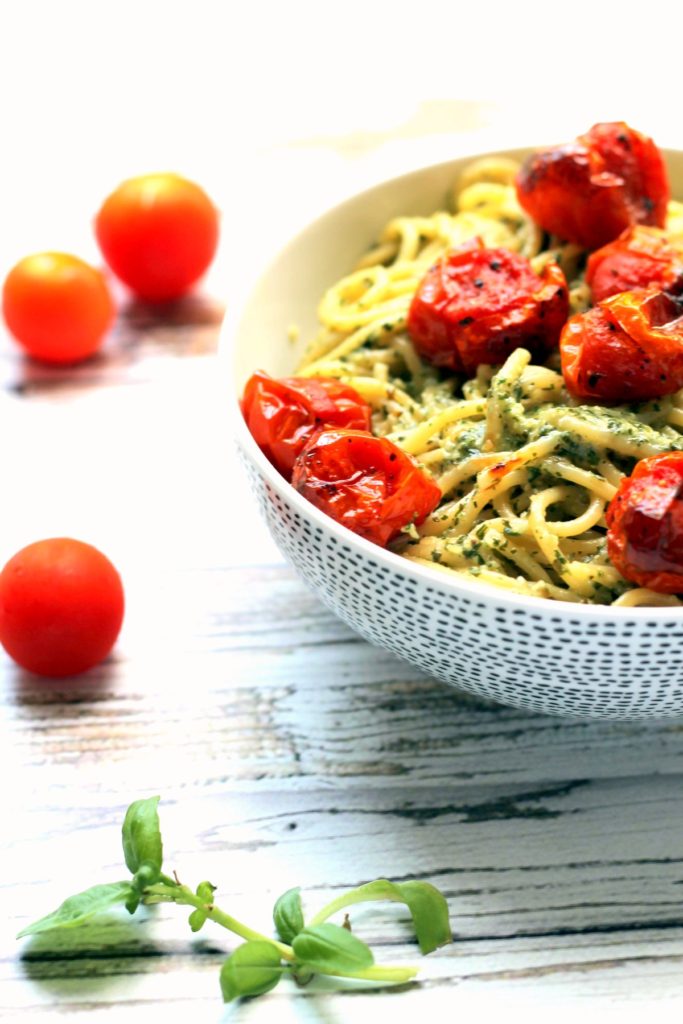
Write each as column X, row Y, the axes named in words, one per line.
column 551, row 657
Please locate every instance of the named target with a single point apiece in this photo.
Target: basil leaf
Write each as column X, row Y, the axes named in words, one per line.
column 254, row 968
column 288, row 914
column 429, row 911
column 427, row 907
column 329, row 948
column 77, row 909
column 142, row 841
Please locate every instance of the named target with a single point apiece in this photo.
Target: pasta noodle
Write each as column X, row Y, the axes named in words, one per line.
column 525, row 472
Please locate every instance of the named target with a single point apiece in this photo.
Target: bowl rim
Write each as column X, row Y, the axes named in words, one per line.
column 486, row 593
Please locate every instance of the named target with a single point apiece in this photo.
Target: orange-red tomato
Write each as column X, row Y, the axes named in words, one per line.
column 282, row 415
column 645, row 524
column 628, row 348
column 57, row 307
column 158, row 233
column 589, row 191
column 61, row 607
column 640, row 257
column 365, row 483
column 475, row 305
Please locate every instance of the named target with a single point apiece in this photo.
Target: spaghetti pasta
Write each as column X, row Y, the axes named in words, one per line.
column 525, row 471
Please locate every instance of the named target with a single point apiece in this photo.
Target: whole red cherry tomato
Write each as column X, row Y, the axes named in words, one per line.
column 61, row 607
column 57, row 307
column 282, row 415
column 365, row 483
column 475, row 305
column 158, row 233
column 645, row 524
column 640, row 257
column 589, row 191
column 628, row 348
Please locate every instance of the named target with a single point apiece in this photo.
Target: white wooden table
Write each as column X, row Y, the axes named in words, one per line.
column 285, row 749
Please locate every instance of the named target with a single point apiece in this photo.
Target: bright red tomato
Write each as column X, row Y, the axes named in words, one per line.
column 589, row 191
column 158, row 233
column 61, row 607
column 365, row 483
column 645, row 524
column 282, row 415
column 640, row 257
column 628, row 348
column 57, row 307
column 475, row 305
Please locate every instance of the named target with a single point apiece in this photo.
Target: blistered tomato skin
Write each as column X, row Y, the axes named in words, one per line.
column 628, row 348
column 61, row 607
column 639, row 258
column 365, row 483
column 283, row 415
column 591, row 190
column 645, row 524
column 476, row 305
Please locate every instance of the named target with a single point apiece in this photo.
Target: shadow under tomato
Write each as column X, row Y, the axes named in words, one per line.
column 194, row 309
column 51, row 694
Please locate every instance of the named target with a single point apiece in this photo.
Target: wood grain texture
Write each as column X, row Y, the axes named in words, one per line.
column 287, row 751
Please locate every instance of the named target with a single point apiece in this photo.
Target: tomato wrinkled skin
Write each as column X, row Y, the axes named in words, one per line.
column 645, row 524
column 158, row 233
column 591, row 190
column 628, row 348
column 61, row 607
column 639, row 258
column 283, row 415
column 365, row 483
column 57, row 307
column 475, row 305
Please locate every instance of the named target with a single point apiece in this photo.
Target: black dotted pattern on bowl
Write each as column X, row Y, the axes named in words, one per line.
column 546, row 661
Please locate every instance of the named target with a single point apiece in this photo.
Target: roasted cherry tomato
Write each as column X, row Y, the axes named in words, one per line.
column 628, row 348
column 645, row 524
column 282, row 415
column 158, row 233
column 57, row 307
column 589, row 191
column 61, row 607
column 365, row 483
column 640, row 257
column 475, row 305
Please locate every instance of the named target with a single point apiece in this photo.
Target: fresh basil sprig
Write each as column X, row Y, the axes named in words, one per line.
column 303, row 948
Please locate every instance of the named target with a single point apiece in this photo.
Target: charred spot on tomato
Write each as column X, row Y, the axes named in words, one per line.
column 589, row 191
column 645, row 524
column 593, row 379
column 478, row 303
